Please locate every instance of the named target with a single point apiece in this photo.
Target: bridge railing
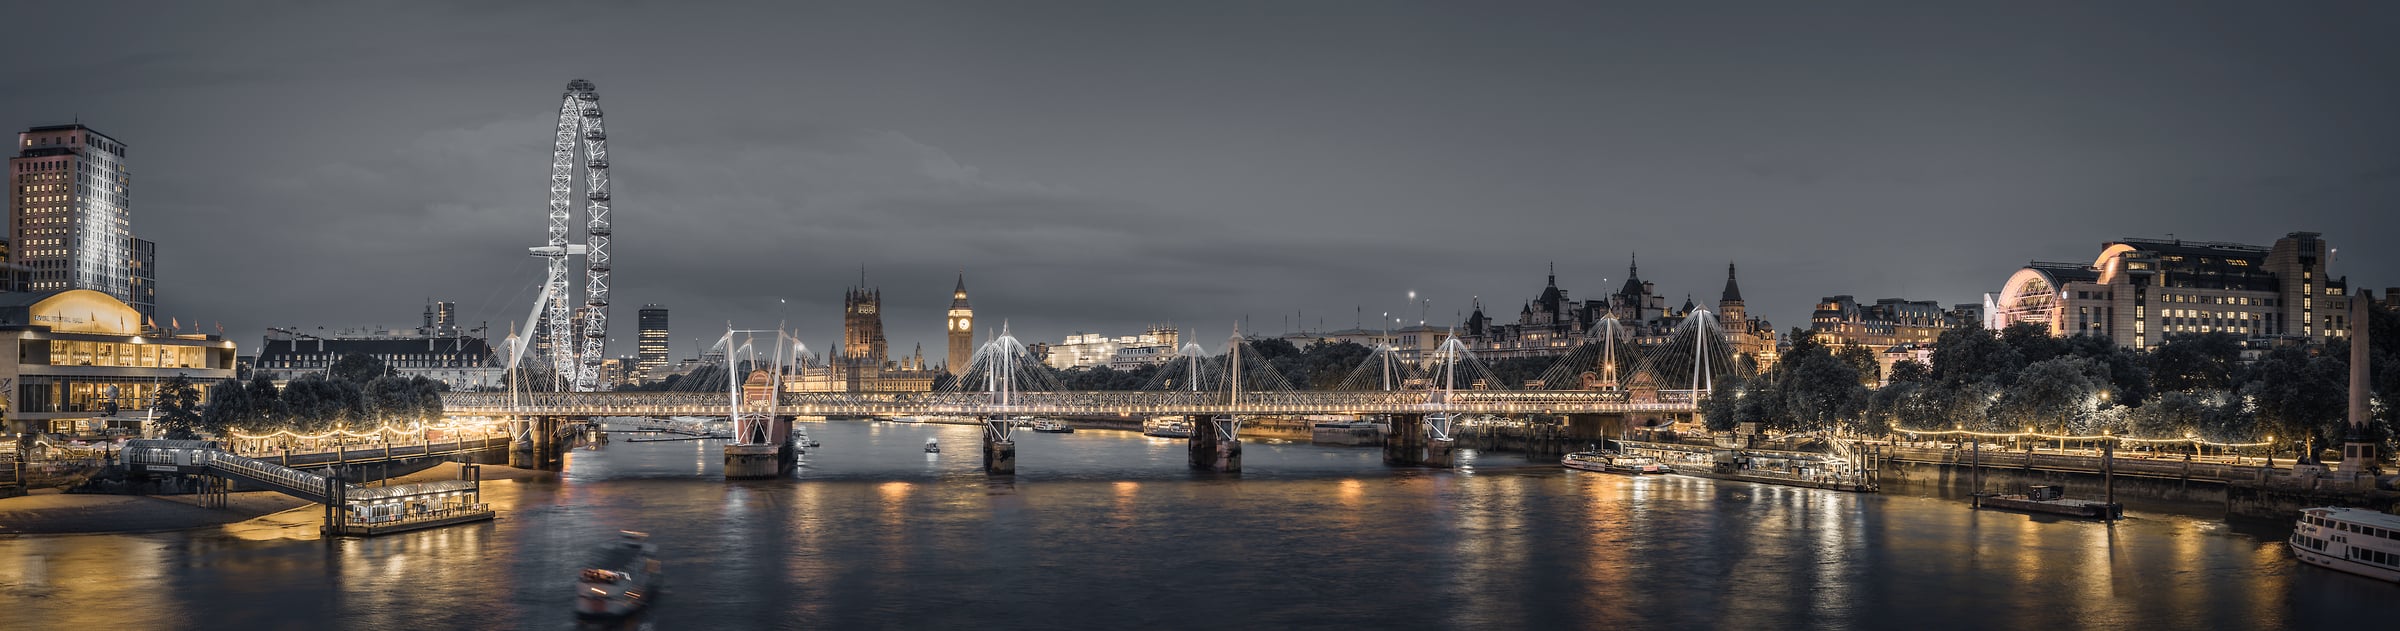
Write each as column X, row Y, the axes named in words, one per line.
column 206, row 458
column 290, row 481
column 1097, row 402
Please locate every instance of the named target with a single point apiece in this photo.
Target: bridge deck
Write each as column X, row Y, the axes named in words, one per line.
column 1131, row 404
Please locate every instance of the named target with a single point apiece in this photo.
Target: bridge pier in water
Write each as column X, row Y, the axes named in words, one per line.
column 770, row 459
column 1216, row 444
column 1412, row 444
column 999, row 450
column 538, row 444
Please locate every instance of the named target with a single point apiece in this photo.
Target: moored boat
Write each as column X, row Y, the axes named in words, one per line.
column 1610, row 462
column 1359, row 432
column 2354, row 540
column 2050, row 499
column 1052, row 427
column 622, row 581
column 1167, row 428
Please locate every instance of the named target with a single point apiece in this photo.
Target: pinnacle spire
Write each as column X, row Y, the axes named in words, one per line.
column 1733, row 292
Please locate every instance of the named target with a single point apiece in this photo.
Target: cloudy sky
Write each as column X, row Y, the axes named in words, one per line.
column 1099, row 166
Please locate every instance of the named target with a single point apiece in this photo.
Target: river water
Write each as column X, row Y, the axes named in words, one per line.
column 1108, row 530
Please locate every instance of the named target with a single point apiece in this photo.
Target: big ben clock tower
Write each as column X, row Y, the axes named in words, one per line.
column 962, row 329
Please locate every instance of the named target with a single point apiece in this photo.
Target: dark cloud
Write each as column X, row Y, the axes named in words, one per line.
column 1100, row 166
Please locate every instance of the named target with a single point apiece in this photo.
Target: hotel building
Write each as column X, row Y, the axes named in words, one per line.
column 2140, row 291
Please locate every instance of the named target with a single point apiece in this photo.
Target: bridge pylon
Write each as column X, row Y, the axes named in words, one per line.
column 762, row 436
column 1216, row 442
column 1004, row 370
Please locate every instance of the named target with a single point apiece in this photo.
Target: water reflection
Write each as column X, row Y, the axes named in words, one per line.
column 1109, row 530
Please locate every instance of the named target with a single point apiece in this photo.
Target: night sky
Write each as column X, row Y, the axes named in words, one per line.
column 1099, row 166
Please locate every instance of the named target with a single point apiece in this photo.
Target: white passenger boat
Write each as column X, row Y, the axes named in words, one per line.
column 1167, row 428
column 932, row 446
column 1608, row 462
column 622, row 581
column 1052, row 427
column 2354, row 540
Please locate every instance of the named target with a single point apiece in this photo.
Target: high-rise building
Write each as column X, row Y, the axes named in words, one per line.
column 2140, row 291
column 145, row 279
column 651, row 348
column 962, row 329
column 69, row 221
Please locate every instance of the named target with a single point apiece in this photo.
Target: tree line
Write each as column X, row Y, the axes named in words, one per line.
column 2205, row 385
column 357, row 392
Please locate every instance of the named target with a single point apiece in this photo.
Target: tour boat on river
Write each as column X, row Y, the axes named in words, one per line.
column 1167, row 428
column 1052, row 427
column 622, row 581
column 1607, row 462
column 2354, row 540
column 932, row 446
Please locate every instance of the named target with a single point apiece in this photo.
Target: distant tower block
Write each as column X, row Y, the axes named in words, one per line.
column 962, row 329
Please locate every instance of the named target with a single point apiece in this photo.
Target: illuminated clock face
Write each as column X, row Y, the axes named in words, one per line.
column 960, row 324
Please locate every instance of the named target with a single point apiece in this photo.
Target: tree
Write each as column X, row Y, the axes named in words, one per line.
column 2299, row 394
column 2032, row 342
column 1721, row 410
column 2128, row 370
column 266, row 411
column 357, row 368
column 1910, row 371
column 228, row 407
column 1972, row 353
column 1862, row 360
column 2173, row 415
column 390, row 399
column 317, row 404
column 429, row 406
column 1820, row 390
column 2195, row 362
column 2058, row 393
column 179, row 409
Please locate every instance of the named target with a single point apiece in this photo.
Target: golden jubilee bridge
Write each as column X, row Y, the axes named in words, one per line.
column 1132, row 403
column 1418, row 400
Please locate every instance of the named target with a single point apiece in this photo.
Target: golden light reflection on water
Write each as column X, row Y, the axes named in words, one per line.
column 1510, row 547
column 86, row 582
column 1492, row 541
column 1122, row 511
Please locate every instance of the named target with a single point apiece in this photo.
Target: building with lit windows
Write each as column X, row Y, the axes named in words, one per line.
column 69, row 217
column 1552, row 324
column 1154, row 345
column 1840, row 321
column 145, row 280
column 863, row 363
column 650, row 349
column 2141, row 291
column 83, row 362
column 438, row 350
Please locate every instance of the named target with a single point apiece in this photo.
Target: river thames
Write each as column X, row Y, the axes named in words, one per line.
column 1107, row 529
